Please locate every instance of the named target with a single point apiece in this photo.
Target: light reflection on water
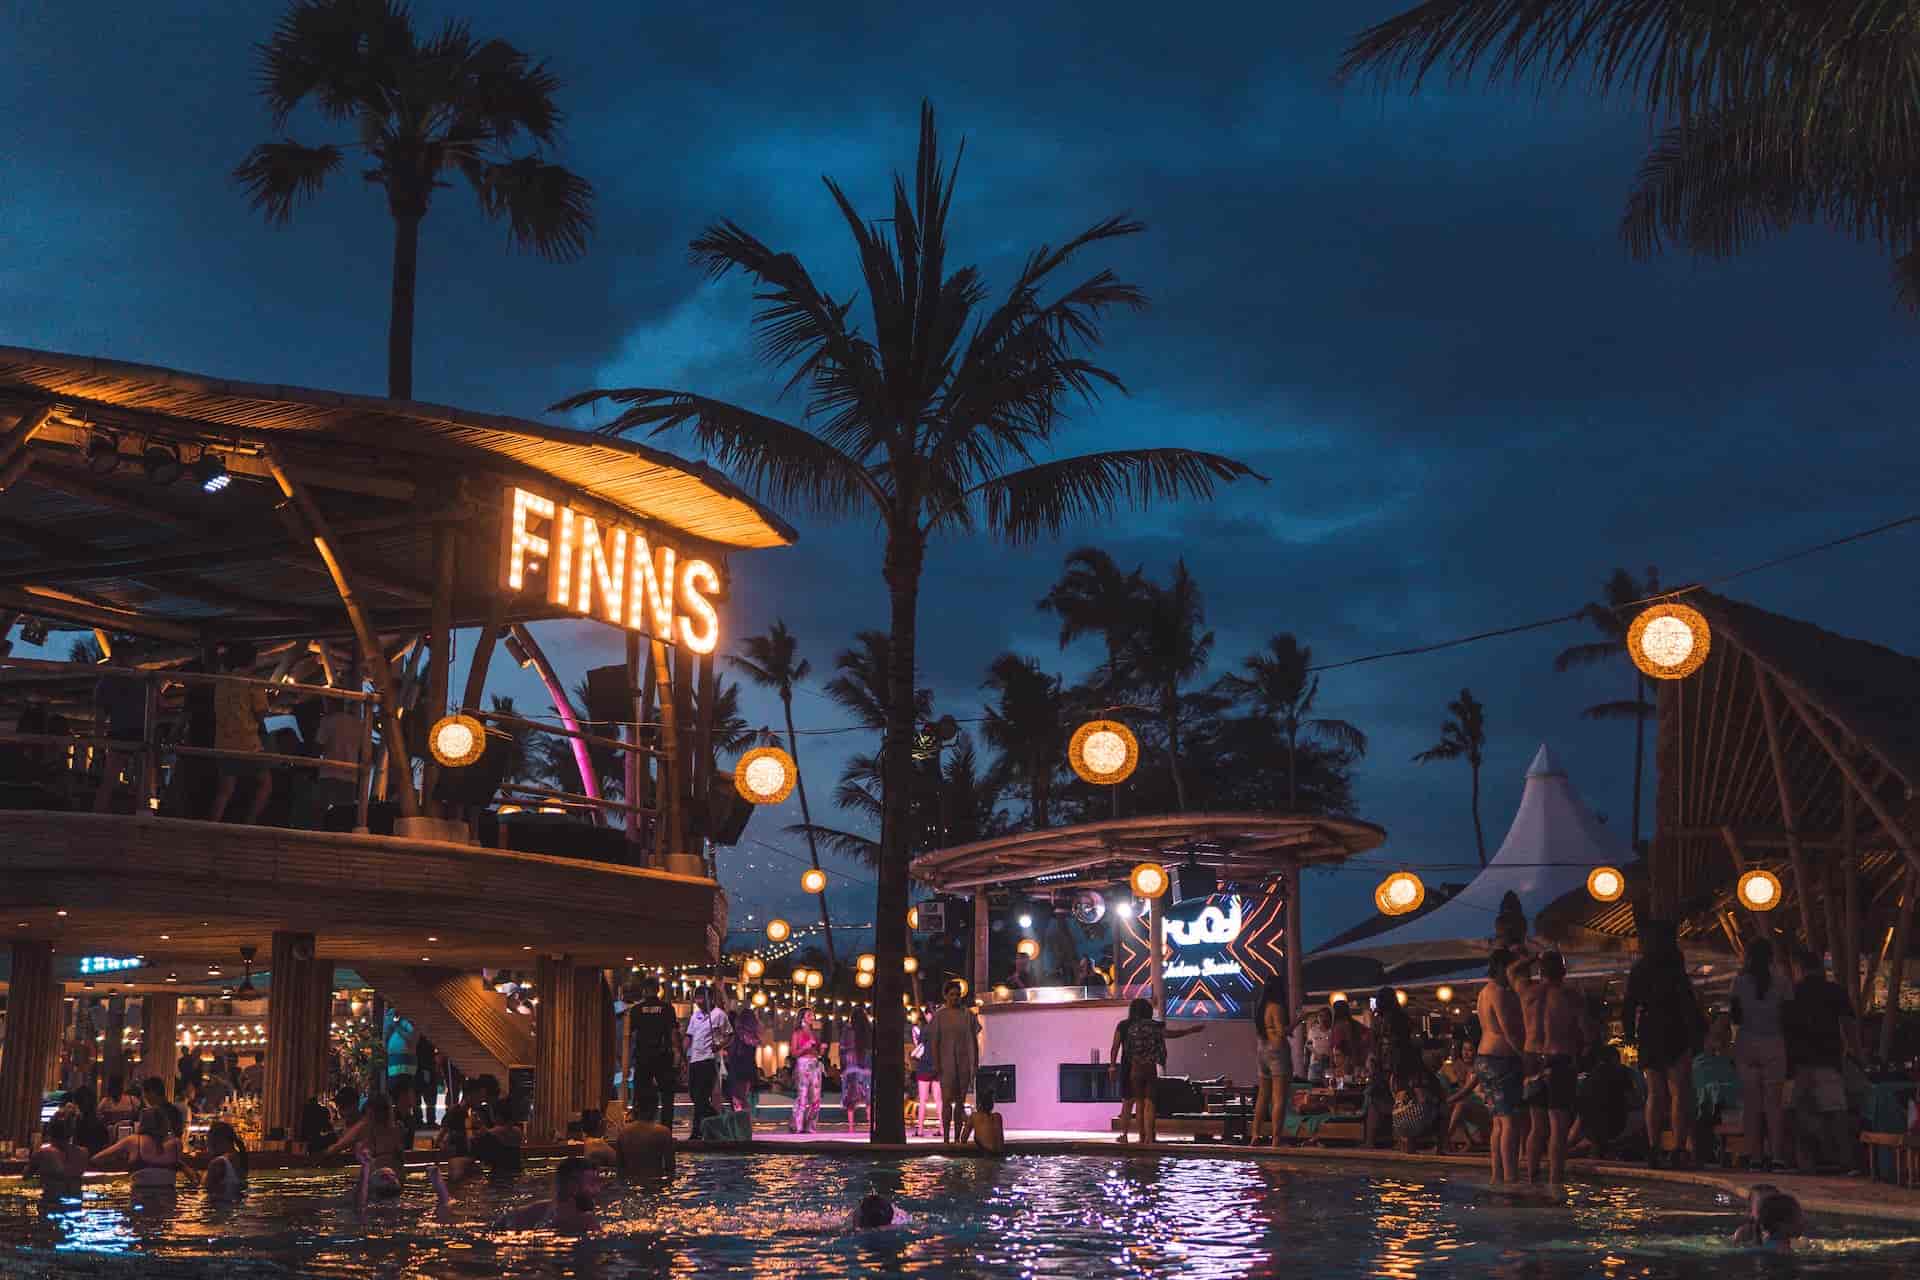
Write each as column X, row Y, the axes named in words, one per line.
column 777, row 1217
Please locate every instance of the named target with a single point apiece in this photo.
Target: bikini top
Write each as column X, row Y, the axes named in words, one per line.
column 140, row 1162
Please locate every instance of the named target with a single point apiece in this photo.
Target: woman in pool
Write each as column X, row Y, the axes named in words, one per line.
column 378, row 1182
column 495, row 1143
column 379, row 1133
column 571, row 1207
column 454, row 1143
column 60, row 1162
column 226, row 1173
column 151, row 1151
column 1774, row 1219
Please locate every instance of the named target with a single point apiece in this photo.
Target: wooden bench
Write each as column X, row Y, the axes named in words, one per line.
column 1905, row 1150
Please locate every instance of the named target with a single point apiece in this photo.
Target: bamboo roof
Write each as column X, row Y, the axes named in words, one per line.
column 1244, row 847
column 117, row 551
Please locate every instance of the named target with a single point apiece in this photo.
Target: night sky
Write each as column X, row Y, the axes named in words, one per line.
column 1413, row 313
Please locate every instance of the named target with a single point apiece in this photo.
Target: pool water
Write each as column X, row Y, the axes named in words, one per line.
column 771, row 1215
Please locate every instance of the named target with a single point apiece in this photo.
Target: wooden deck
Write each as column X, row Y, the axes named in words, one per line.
column 188, row 894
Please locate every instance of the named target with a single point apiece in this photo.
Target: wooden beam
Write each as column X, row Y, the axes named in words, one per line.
column 440, row 661
column 14, row 458
column 1770, row 713
column 303, row 509
column 1879, row 811
column 1897, row 966
column 1850, row 869
column 51, row 603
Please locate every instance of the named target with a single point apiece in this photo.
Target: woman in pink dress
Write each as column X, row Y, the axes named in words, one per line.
column 807, row 1072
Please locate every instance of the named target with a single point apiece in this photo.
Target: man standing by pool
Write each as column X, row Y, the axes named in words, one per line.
column 1555, row 1021
column 953, row 1044
column 651, row 1024
column 1496, row 1065
column 706, row 1035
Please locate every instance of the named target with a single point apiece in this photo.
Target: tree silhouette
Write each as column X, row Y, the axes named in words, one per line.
column 1464, row 736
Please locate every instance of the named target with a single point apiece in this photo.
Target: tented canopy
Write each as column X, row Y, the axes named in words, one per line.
column 1554, row 842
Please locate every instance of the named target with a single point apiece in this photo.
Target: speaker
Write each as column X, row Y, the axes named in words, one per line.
column 609, row 699
column 1191, row 880
column 1177, row 1095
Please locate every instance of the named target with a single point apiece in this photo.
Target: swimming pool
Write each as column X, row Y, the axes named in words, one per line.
column 771, row 1215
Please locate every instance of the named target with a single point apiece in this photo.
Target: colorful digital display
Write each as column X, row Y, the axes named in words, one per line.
column 1220, row 951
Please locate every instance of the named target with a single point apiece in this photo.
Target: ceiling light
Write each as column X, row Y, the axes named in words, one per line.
column 211, row 473
column 161, row 462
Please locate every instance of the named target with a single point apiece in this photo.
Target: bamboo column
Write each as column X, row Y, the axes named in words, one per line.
column 1156, row 956
column 666, row 793
column 1897, row 964
column 983, row 940
column 440, row 660
column 1850, row 869
column 32, row 1048
column 308, row 515
column 296, row 1033
column 113, row 1062
column 160, row 1037
column 606, row 1060
column 633, row 763
column 1296, row 958
column 1802, row 883
column 555, row 1047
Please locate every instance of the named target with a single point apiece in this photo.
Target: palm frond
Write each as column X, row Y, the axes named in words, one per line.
column 847, row 844
column 1906, row 280
column 548, row 207
column 1445, row 749
column 1587, row 655
column 1045, row 499
column 1341, row 733
column 278, row 175
column 1626, row 710
column 336, row 52
column 788, row 466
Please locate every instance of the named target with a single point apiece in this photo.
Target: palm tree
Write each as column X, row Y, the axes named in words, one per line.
column 1464, row 735
column 935, row 422
column 1281, row 686
column 525, row 744
column 1780, row 111
column 865, row 681
column 773, row 661
column 1609, row 617
column 1165, row 648
column 417, row 106
column 1092, row 596
column 1025, row 727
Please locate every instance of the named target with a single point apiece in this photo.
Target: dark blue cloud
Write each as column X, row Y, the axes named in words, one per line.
column 1413, row 314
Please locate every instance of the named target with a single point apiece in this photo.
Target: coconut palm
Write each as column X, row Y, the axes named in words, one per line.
column 773, row 661
column 1092, row 596
column 1025, row 725
column 417, row 107
column 1280, row 685
column 864, row 682
column 1464, row 736
column 1609, row 616
column 1164, row 650
column 936, row 421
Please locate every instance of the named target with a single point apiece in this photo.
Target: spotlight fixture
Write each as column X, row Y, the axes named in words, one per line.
column 161, row 462
column 103, row 452
column 516, row 650
column 247, row 953
column 211, row 473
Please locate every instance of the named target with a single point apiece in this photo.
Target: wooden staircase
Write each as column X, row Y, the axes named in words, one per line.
column 463, row 1016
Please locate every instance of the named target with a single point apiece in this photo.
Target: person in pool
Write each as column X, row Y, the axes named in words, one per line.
column 872, row 1213
column 986, row 1129
column 1774, row 1219
column 226, row 1173
column 378, row 1132
column 571, row 1207
column 60, row 1162
column 379, row 1182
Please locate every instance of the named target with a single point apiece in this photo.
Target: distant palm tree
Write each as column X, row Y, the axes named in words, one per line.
column 1026, row 727
column 1165, row 648
column 1609, row 617
column 1092, row 596
column 866, row 674
column 936, row 422
column 1281, row 687
column 773, row 661
column 1464, row 736
column 524, row 750
column 419, row 107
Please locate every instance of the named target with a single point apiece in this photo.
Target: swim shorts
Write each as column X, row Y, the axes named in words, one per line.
column 1499, row 1083
column 1552, row 1081
column 1275, row 1064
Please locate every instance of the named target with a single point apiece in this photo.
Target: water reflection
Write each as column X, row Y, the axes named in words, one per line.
column 778, row 1217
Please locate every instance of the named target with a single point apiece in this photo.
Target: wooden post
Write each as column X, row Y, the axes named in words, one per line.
column 1802, row 883
column 378, row 1014
column 160, row 1036
column 305, row 513
column 18, row 437
column 681, row 766
column 983, row 941
column 702, row 762
column 1897, row 965
column 554, row 1049
column 666, row 798
column 1850, row 869
column 1156, row 956
column 440, row 663
column 634, row 764
column 296, row 1033
column 32, row 1044
column 1662, row 871
column 1296, row 952
column 113, row 1062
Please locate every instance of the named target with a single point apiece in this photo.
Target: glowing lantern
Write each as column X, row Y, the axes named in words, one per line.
column 962, row 984
column 863, row 979
column 800, row 977
column 867, row 962
column 1399, row 893
column 813, row 880
column 1400, row 997
column 911, row 964
column 815, row 979
column 759, row 999
column 1668, row 641
column 913, row 917
column 457, row 741
column 1606, row 884
column 765, row 775
column 755, row 966
column 1103, row 752
column 1338, row 997
column 1002, row 993
column 1444, row 995
column 1028, row 947
column 1149, row 880
column 778, row 930
column 1759, row 890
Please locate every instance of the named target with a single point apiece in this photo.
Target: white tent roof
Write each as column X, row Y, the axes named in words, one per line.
column 1553, row 843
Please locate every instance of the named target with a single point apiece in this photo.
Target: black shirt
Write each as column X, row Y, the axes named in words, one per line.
column 1813, row 1023
column 652, row 1023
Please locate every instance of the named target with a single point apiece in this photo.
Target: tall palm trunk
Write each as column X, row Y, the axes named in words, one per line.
column 1639, row 752
column 406, row 263
column 1171, row 700
column 1040, row 785
column 902, row 570
column 1113, row 695
column 806, row 816
column 1479, row 837
column 1293, row 769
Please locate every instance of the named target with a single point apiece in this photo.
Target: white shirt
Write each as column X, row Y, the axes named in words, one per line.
column 702, row 1030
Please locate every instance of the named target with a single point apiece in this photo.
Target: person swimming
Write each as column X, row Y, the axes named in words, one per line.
column 152, row 1151
column 380, row 1182
column 571, row 1207
column 872, row 1213
column 1774, row 1219
column 226, row 1173
column 61, row 1162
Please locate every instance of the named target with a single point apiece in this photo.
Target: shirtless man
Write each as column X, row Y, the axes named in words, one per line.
column 1496, row 1065
column 1556, row 1031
